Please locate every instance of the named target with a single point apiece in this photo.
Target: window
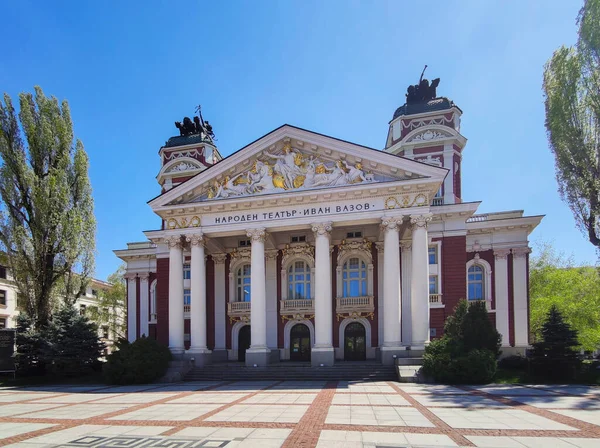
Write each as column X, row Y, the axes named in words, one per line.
column 355, row 234
column 475, row 281
column 299, row 280
column 2, row 297
column 439, row 193
column 433, row 255
column 186, row 271
column 82, row 310
column 2, row 322
column 2, row 272
column 433, row 284
column 105, row 332
column 354, row 278
column 243, row 284
column 95, row 292
column 187, row 297
column 299, row 239
column 244, row 243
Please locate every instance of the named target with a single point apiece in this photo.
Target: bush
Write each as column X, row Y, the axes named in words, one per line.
column 142, row 361
column 514, row 362
column 468, row 350
column 31, row 346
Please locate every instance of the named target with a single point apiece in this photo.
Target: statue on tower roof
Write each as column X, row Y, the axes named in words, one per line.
column 423, row 91
column 196, row 127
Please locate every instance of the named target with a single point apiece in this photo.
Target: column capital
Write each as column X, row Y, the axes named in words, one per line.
column 219, row 258
column 144, row 277
column 391, row 223
column 380, row 245
column 173, row 241
column 406, row 245
column 421, row 220
column 322, row 228
column 521, row 252
column 271, row 254
column 501, row 254
column 257, row 235
column 195, row 239
column 130, row 276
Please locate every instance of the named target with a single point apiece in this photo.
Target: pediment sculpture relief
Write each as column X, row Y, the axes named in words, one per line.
column 291, row 170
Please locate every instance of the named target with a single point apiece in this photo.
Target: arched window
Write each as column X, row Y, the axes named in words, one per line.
column 243, row 284
column 354, row 278
column 299, row 280
column 476, row 285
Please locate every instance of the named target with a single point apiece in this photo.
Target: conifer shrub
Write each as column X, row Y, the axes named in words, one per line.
column 31, row 346
column 467, row 351
column 139, row 362
column 556, row 357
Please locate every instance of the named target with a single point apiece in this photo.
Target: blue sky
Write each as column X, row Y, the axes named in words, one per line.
column 130, row 69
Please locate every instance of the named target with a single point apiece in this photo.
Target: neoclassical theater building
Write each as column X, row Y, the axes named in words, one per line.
column 301, row 246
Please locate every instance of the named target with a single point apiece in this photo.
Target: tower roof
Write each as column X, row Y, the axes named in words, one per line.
column 441, row 103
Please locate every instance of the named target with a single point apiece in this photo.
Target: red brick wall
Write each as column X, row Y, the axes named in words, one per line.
column 428, row 149
column 437, row 317
column 457, row 178
column 492, row 318
column 280, row 322
column 162, row 300
column 375, row 321
column 336, row 323
column 227, row 292
column 454, row 271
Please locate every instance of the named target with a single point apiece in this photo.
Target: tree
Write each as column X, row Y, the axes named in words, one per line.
column 572, row 100
column 111, row 307
column 575, row 291
column 47, row 225
column 73, row 347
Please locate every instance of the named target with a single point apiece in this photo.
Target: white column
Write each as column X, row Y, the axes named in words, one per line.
column 419, row 306
column 449, row 181
column 501, row 294
column 405, row 285
column 322, row 352
column 131, row 307
column 391, row 283
column 144, row 304
column 258, row 305
column 220, row 306
column 520, row 287
column 380, row 302
column 176, row 344
column 197, row 295
column 271, row 297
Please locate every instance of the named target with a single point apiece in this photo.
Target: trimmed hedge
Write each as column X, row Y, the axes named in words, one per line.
column 142, row 361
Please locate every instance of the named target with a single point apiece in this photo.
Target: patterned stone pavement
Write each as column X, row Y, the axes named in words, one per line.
column 299, row 414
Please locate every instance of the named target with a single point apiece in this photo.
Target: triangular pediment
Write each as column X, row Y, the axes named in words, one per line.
column 289, row 160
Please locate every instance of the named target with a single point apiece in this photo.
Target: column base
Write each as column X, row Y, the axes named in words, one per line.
column 322, row 356
column 389, row 354
column 177, row 352
column 513, row 351
column 199, row 357
column 260, row 357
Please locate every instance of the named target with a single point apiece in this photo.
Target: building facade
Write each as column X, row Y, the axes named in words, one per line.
column 305, row 247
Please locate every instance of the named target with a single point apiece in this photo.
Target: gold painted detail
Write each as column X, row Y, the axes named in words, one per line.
column 354, row 315
column 297, row 317
column 243, row 319
column 183, row 222
column 406, row 201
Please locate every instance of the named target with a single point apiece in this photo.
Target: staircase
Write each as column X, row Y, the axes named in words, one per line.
column 294, row 371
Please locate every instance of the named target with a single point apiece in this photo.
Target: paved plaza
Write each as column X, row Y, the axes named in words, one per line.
column 307, row 414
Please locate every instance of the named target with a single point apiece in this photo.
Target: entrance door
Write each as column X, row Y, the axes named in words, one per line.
column 355, row 342
column 300, row 343
column 243, row 342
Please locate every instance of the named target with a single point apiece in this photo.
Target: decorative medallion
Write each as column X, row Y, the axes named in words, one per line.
column 406, row 201
column 183, row 222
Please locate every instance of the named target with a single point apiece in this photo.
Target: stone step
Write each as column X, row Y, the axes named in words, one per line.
column 409, row 361
column 408, row 373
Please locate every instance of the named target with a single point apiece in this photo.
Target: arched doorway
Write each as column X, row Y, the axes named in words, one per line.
column 300, row 343
column 355, row 342
column 243, row 342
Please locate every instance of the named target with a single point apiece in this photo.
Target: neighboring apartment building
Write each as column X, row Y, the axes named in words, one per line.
column 9, row 309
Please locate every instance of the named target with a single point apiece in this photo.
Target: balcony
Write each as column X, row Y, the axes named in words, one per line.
column 238, row 309
column 435, row 299
column 294, row 306
column 438, row 201
column 363, row 304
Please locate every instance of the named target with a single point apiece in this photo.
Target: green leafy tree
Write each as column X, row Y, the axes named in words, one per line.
column 555, row 281
column 47, row 225
column 111, row 307
column 572, row 100
column 73, row 345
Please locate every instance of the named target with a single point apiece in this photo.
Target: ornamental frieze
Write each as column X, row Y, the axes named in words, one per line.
column 291, row 170
column 298, row 249
column 406, row 201
column 354, row 247
column 183, row 222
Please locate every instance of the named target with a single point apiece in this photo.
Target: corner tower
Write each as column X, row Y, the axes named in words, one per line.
column 427, row 129
column 189, row 153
